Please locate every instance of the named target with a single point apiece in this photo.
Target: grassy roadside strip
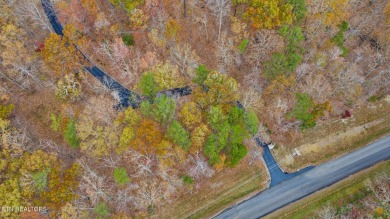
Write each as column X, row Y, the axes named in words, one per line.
column 306, row 207
column 234, row 195
column 373, row 137
column 219, row 192
column 344, row 146
column 373, row 134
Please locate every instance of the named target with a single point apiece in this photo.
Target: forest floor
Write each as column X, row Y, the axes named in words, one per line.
column 333, row 139
column 350, row 190
column 32, row 113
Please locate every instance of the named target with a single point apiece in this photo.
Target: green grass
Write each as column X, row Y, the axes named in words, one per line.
column 350, row 190
column 228, row 200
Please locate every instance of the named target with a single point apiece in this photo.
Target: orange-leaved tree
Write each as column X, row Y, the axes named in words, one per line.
column 60, row 53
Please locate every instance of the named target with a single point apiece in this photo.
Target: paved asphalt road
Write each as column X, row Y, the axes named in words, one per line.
column 309, row 182
column 277, row 175
column 127, row 97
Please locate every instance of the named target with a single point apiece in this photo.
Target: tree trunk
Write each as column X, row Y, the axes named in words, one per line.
column 185, row 8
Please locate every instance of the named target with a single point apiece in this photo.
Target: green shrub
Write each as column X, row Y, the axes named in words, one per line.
column 128, row 5
column 5, row 110
column 128, row 39
column 302, row 111
column 201, row 74
column 299, row 9
column 252, row 122
column 55, row 122
column 120, row 176
column 211, row 151
column 283, row 30
column 280, row 64
column 151, row 210
column 102, row 209
column 344, row 26
column 243, row 45
column 178, row 135
column 294, row 39
column 148, row 85
column 70, row 134
column 287, row 62
column 40, row 179
column 237, row 152
column 338, row 39
column 373, row 98
column 187, row 180
column 146, row 109
column 163, row 109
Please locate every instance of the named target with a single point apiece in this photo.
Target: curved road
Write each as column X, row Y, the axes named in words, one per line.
column 277, row 175
column 282, row 184
column 131, row 98
column 309, row 182
column 126, row 96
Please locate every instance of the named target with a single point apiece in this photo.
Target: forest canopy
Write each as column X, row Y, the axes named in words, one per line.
column 138, row 105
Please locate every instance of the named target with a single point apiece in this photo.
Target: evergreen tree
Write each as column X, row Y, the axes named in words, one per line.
column 70, row 134
column 179, row 135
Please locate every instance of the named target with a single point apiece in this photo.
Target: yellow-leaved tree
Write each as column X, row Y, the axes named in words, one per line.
column 60, row 53
column 190, row 115
column 222, row 90
column 330, row 12
column 268, row 13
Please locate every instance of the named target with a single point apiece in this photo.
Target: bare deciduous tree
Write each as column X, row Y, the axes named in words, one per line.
column 199, row 167
column 317, row 86
column 327, row 213
column 93, row 184
column 18, row 58
column 346, row 80
column 111, row 161
column 263, row 44
column 32, row 10
column 255, row 154
column 225, row 53
column 149, row 193
column 143, row 164
column 220, row 8
column 380, row 81
column 171, row 178
column 95, row 85
column 123, row 198
column 121, row 60
column 251, row 99
column 380, row 187
column 185, row 58
column 18, row 140
column 202, row 19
